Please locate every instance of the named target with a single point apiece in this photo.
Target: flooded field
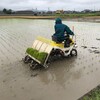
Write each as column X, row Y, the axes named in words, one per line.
column 65, row 79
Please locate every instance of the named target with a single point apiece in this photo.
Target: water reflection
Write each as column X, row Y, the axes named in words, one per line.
column 61, row 72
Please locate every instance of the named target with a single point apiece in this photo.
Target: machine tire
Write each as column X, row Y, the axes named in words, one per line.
column 26, row 59
column 73, row 52
column 33, row 64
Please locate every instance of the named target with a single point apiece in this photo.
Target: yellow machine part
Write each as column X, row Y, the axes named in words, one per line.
column 61, row 45
column 52, row 43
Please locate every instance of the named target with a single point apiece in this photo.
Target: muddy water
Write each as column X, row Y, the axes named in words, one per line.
column 65, row 79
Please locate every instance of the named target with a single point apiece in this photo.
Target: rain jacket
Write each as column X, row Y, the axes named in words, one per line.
column 61, row 30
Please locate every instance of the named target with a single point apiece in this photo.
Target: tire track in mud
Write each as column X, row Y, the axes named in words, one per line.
column 11, row 43
column 7, row 47
column 13, row 37
column 8, row 42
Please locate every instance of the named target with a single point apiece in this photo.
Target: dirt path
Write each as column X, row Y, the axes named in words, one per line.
column 84, row 19
column 30, row 17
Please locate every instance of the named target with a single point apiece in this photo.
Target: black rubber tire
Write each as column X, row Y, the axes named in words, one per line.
column 26, row 59
column 31, row 63
column 73, row 52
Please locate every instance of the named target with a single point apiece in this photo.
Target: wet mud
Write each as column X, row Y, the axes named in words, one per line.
column 66, row 79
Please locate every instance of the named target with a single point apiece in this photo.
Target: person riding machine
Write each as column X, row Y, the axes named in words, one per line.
column 62, row 33
column 44, row 51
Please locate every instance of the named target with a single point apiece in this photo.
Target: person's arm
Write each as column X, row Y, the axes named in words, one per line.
column 68, row 31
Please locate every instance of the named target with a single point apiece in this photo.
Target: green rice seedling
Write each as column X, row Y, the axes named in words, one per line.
column 35, row 54
column 32, row 51
column 29, row 50
column 42, row 56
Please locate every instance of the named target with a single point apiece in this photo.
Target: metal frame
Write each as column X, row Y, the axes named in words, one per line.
column 42, row 47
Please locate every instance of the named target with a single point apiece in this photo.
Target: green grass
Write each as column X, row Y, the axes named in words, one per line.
column 92, row 95
column 77, row 15
column 41, row 56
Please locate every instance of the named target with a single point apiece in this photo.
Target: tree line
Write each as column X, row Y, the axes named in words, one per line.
column 7, row 11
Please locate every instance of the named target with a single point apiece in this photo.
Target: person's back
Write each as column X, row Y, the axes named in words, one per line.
column 61, row 30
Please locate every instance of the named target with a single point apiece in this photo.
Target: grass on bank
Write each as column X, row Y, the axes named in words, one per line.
column 53, row 16
column 92, row 95
column 80, row 15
